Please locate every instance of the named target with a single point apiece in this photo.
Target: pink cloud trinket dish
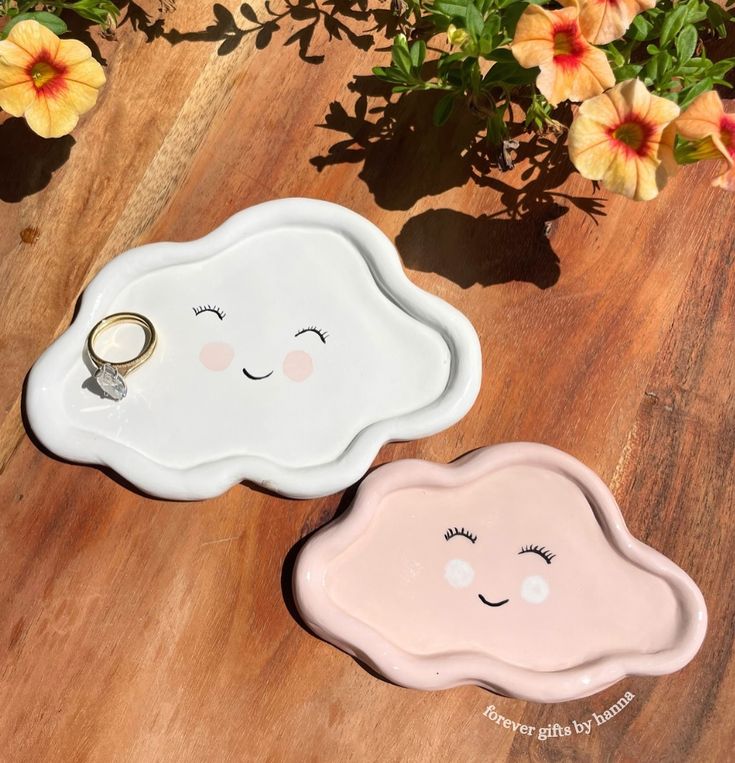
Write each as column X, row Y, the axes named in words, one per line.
column 284, row 349
column 511, row 569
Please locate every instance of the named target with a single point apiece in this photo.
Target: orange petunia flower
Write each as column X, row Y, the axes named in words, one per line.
column 712, row 131
column 571, row 68
column 603, row 21
column 620, row 138
column 48, row 81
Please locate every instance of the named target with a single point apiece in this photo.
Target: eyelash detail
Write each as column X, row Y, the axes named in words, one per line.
column 209, row 309
column 542, row 551
column 452, row 531
column 323, row 335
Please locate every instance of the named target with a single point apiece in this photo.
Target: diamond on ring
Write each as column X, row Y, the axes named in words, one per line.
column 111, row 382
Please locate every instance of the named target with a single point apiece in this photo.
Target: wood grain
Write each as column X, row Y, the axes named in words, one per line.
column 141, row 630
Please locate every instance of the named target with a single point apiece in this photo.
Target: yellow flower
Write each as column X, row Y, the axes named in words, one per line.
column 603, row 21
column 47, row 80
column 620, row 138
column 571, row 68
column 713, row 131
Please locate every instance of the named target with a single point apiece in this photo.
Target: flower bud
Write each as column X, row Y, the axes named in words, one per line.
column 457, row 36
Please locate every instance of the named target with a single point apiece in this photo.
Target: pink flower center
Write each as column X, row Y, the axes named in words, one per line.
column 569, row 45
column 47, row 75
column 633, row 136
column 727, row 133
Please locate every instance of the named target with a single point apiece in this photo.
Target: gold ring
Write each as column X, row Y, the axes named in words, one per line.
column 110, row 374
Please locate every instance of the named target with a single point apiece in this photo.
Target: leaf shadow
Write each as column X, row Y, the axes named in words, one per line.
column 28, row 161
column 405, row 158
column 339, row 19
column 153, row 27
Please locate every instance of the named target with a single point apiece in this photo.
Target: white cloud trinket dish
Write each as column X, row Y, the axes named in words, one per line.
column 291, row 347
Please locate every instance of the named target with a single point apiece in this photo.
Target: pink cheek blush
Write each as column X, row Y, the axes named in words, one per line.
column 216, row 356
column 298, row 366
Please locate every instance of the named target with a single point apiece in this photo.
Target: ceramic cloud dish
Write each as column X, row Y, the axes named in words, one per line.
column 511, row 569
column 291, row 346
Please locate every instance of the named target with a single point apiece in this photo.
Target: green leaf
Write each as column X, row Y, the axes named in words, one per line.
column 446, row 63
column 696, row 11
column 686, row 43
column 486, row 45
column 510, row 73
column 418, row 53
column 49, row 20
column 501, row 54
column 615, row 56
column 443, row 109
column 721, row 67
column 475, row 21
column 673, row 22
column 650, row 70
column 390, row 74
column 658, row 67
column 512, row 15
column 452, row 9
column 689, row 94
column 492, row 26
column 718, row 18
column 639, row 29
column 497, row 130
column 400, row 55
column 629, row 71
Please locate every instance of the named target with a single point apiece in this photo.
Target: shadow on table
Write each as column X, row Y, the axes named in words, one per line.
column 406, row 158
column 27, row 161
column 312, row 526
column 350, row 20
column 484, row 250
column 289, row 561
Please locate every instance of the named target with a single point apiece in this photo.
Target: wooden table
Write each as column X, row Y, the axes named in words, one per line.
column 141, row 630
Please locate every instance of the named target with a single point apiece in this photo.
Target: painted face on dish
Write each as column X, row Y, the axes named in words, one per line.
column 460, row 573
column 514, row 564
column 297, row 365
column 509, row 572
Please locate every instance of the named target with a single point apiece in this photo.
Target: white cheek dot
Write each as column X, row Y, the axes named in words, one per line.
column 459, row 573
column 534, row 589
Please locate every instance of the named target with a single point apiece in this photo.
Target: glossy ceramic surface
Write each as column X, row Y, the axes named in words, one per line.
column 291, row 346
column 511, row 568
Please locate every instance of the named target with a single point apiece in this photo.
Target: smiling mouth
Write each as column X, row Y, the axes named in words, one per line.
column 255, row 378
column 492, row 603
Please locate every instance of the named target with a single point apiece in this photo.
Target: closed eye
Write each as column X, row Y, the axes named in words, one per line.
column 542, row 551
column 314, row 330
column 453, row 532
column 209, row 309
